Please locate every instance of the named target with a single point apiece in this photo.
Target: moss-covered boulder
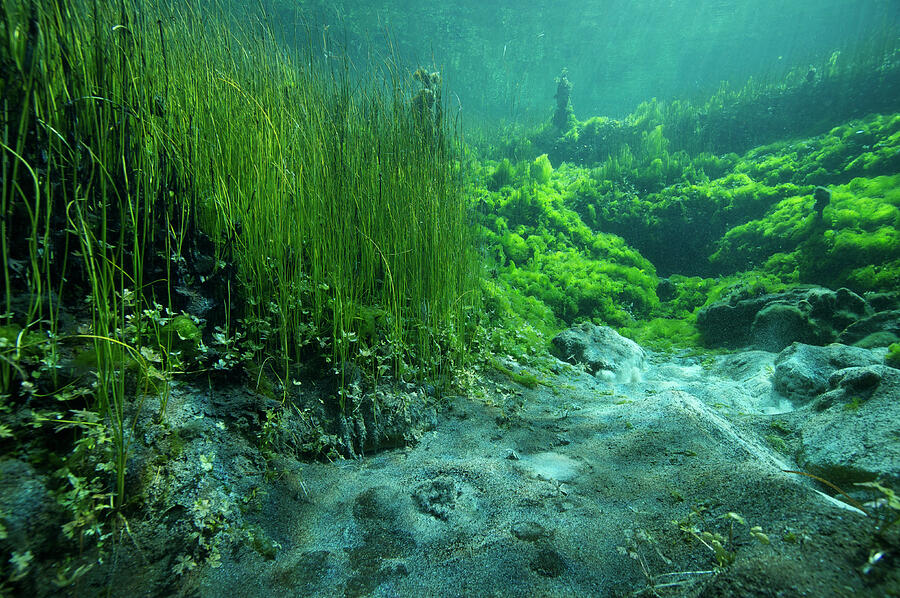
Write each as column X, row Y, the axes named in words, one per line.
column 854, row 242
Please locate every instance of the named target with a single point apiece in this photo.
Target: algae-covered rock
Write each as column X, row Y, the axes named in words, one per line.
column 778, row 325
column 884, row 322
column 808, row 314
column 28, row 513
column 544, row 250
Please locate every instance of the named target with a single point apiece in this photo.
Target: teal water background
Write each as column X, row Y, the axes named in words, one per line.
column 501, row 58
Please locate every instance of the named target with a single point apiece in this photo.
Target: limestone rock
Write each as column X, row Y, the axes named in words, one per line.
column 853, row 435
column 607, row 354
column 802, row 371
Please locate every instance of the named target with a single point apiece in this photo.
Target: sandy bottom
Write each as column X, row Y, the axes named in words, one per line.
column 577, row 488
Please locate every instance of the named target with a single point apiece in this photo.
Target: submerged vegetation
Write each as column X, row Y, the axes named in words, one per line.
column 185, row 199
column 662, row 193
column 182, row 197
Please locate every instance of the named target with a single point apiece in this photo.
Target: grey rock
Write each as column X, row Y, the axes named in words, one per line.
column 529, row 531
column 885, row 323
column 802, row 371
column 810, row 314
column 852, row 436
column 666, row 290
column 741, row 380
column 606, row 353
column 858, row 379
column 727, row 323
column 27, row 510
column 743, row 365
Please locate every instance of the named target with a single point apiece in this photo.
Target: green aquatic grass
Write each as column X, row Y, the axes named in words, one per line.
column 84, row 182
column 332, row 196
column 345, row 198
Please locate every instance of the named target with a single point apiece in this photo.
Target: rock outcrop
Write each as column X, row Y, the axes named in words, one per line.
column 802, row 371
column 807, row 314
column 852, row 436
column 605, row 353
column 878, row 330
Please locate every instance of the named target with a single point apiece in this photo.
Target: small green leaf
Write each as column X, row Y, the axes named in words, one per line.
column 21, row 561
column 756, row 532
column 735, row 517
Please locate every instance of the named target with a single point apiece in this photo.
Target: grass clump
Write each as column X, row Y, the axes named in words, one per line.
column 347, row 199
column 663, row 334
column 523, row 377
column 892, row 358
column 541, row 169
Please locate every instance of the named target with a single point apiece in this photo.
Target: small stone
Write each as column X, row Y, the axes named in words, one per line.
column 529, row 531
column 855, row 379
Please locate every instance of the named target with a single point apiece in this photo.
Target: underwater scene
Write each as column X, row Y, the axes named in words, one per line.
column 343, row 298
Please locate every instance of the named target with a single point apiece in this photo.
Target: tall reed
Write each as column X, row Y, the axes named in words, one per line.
column 340, row 202
column 333, row 195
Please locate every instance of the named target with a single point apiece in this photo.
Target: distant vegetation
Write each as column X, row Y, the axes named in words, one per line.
column 644, row 197
column 500, row 58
